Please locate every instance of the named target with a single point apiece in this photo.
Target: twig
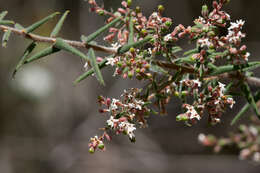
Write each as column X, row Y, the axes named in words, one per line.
column 38, row 38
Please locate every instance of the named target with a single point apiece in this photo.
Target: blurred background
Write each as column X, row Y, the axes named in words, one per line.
column 46, row 122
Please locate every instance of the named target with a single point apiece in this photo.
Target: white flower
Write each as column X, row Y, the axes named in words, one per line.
column 201, row 137
column 86, row 66
column 197, row 82
column 116, row 45
column 222, row 88
column 111, row 61
column 236, row 25
column 253, row 130
column 128, row 128
column 113, row 105
column 192, row 113
column 111, row 121
column 231, row 102
column 204, row 42
column 167, row 38
column 256, row 157
column 246, row 56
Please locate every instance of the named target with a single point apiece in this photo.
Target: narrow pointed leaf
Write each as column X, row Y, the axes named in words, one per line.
column 6, row 22
column 90, row 72
column 60, row 44
column 230, row 68
column 41, row 22
column 157, row 69
column 250, row 98
column 176, row 49
column 131, row 31
column 95, row 66
column 125, row 48
column 27, row 51
column 18, row 26
column 192, row 51
column 3, row 14
column 240, row 114
column 6, row 37
column 45, row 52
column 99, row 31
column 58, row 27
column 245, row 109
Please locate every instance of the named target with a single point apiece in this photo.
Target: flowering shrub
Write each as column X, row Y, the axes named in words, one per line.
column 146, row 48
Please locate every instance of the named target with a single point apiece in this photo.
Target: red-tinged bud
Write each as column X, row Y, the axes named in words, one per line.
column 113, row 29
column 125, row 75
column 122, row 119
column 107, row 136
column 108, row 101
column 110, row 37
column 92, row 2
column 243, row 48
column 182, row 34
column 215, row 4
column 99, row 59
column 210, row 88
column 124, row 4
column 121, row 10
column 233, row 51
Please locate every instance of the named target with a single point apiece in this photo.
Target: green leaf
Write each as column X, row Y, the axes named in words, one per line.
column 60, row 44
column 176, row 49
column 41, row 22
column 45, row 52
column 139, row 43
column 187, row 59
column 192, row 51
column 157, row 69
column 245, row 109
column 6, row 22
column 240, row 114
column 95, row 66
column 58, row 27
column 3, row 14
column 27, row 51
column 6, row 37
column 131, row 31
column 90, row 72
column 230, row 68
column 18, row 26
column 250, row 98
column 99, row 31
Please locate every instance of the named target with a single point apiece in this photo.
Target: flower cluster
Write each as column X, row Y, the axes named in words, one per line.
column 124, row 114
column 246, row 140
column 191, row 77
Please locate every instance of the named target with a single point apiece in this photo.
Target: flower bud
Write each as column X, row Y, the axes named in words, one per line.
column 132, row 50
column 91, row 150
column 205, row 11
column 101, row 146
column 137, row 9
column 130, row 74
column 160, row 8
column 129, row 3
column 168, row 23
column 101, row 12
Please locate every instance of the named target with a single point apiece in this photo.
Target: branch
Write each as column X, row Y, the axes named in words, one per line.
column 43, row 39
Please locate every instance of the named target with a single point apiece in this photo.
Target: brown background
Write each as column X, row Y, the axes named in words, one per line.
column 47, row 131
